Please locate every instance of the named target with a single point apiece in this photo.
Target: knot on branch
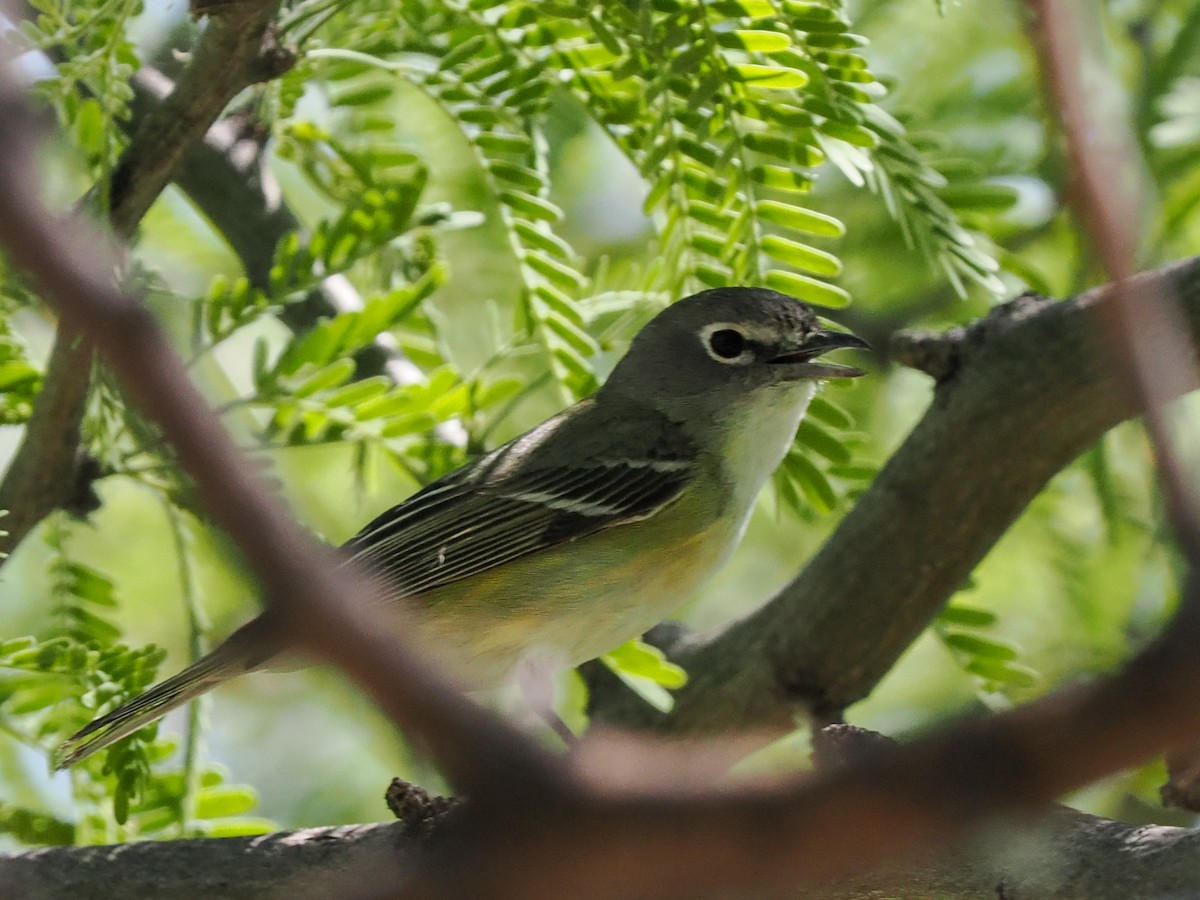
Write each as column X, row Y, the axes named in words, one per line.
column 1182, row 790
column 842, row 745
column 804, row 688
column 81, row 499
column 415, row 806
column 934, row 354
column 274, row 57
column 941, row 355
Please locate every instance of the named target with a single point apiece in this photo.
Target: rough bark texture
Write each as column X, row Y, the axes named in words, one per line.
column 237, row 49
column 42, row 475
column 1068, row 857
column 294, row 865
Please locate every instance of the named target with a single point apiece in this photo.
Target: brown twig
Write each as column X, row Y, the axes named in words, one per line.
column 1148, row 338
column 42, row 475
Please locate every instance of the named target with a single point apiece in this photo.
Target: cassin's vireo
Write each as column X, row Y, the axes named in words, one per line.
column 592, row 527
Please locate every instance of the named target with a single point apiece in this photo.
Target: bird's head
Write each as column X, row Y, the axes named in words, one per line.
column 726, row 347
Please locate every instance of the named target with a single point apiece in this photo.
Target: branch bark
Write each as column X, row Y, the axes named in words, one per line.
column 298, row 864
column 1070, row 856
column 1019, row 395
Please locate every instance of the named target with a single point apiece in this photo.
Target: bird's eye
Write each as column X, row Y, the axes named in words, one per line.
column 727, row 343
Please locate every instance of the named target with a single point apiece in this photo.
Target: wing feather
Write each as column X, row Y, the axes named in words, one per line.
column 459, row 527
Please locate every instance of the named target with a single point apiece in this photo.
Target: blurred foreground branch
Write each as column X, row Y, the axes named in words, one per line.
column 235, row 50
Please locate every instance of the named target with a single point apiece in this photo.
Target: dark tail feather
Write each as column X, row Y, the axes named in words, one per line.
column 246, row 649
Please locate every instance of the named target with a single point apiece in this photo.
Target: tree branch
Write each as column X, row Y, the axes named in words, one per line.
column 1019, row 395
column 232, row 53
column 1069, row 856
column 236, row 49
column 42, row 474
column 293, row 864
column 225, row 176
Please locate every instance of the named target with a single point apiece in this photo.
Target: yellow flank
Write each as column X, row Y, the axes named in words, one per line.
column 582, row 598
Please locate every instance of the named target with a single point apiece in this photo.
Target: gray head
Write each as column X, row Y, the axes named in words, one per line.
column 720, row 348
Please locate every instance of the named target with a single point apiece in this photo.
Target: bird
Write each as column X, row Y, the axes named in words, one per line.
column 590, row 528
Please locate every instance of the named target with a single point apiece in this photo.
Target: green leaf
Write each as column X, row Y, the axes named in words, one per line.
column 13, row 645
column 36, row 697
column 854, row 473
column 1004, row 673
column 329, row 376
column 531, row 206
column 363, row 96
column 34, row 827
column 773, row 77
column 224, row 801
column 850, row 133
column 636, row 657
column 804, row 288
column 812, row 482
column 15, row 374
column 966, row 616
column 982, row 197
column 754, row 40
column 359, row 392
column 244, row 826
column 88, row 584
column 801, row 255
column 556, row 272
column 830, row 413
column 817, row 439
column 782, row 179
column 977, row 646
column 799, row 219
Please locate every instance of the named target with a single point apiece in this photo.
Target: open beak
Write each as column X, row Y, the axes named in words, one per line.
column 818, row 343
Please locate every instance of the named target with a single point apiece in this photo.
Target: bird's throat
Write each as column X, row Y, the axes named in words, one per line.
column 760, row 435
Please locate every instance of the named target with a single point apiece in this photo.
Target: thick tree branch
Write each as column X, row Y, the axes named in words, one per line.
column 304, row 865
column 233, row 52
column 1071, row 856
column 225, row 177
column 1020, row 394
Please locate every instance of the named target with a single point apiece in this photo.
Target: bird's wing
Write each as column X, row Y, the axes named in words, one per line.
column 467, row 523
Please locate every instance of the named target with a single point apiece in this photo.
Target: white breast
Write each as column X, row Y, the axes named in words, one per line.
column 756, row 449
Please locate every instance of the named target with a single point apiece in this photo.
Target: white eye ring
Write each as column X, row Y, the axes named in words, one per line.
column 727, row 343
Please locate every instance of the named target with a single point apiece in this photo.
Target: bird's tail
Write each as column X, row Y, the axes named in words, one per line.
column 243, row 651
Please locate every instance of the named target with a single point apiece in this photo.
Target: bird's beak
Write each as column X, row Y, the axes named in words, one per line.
column 815, row 344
